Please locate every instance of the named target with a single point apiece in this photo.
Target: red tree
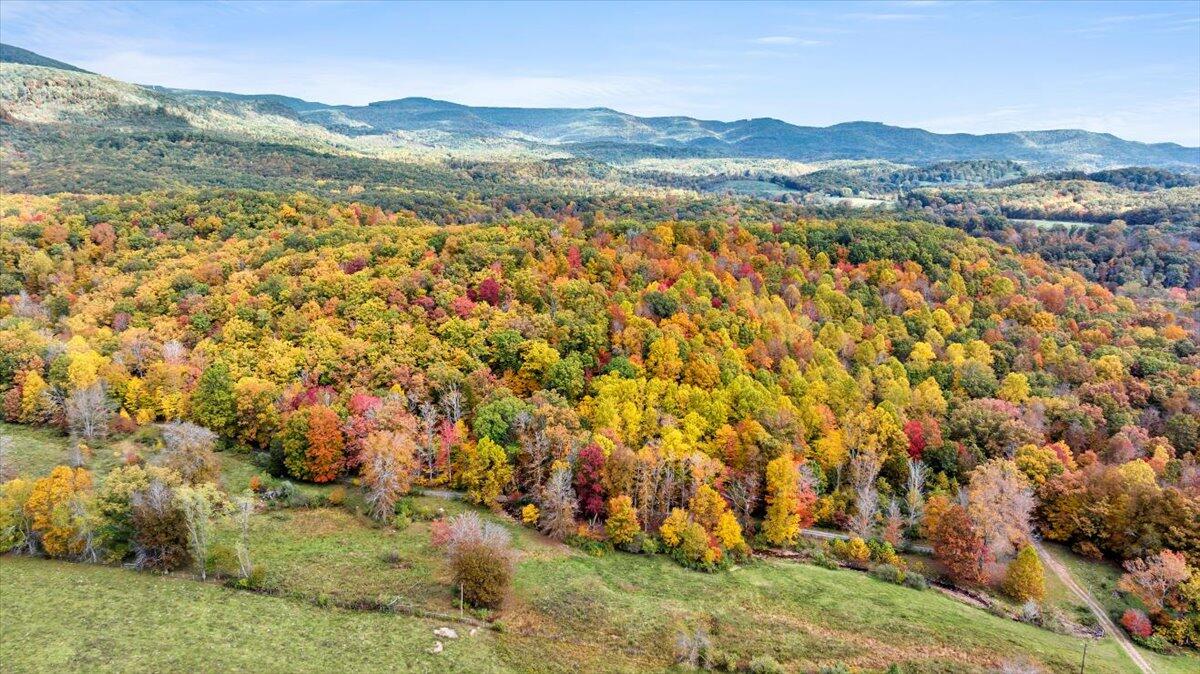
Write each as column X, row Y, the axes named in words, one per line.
column 959, row 547
column 589, row 480
column 916, row 438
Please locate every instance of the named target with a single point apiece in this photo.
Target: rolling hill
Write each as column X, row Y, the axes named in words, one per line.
column 37, row 90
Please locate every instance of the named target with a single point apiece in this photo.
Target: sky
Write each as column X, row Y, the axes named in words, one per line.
column 1127, row 68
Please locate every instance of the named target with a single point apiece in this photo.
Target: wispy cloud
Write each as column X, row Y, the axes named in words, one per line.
column 783, row 40
column 888, row 16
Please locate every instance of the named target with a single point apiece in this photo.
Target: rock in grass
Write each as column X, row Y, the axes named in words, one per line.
column 445, row 633
column 437, row 648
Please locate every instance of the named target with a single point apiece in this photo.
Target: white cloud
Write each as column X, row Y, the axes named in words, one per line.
column 776, row 39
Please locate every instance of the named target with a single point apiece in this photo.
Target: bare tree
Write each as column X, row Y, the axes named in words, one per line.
column 429, row 420
column 198, row 506
column 241, row 513
column 742, row 492
column 999, row 501
column 557, row 518
column 893, row 523
column 174, row 351
column 452, row 403
column 864, row 468
column 188, row 450
column 88, row 412
column 915, row 496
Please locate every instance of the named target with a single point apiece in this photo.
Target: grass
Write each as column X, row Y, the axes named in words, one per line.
column 58, row 616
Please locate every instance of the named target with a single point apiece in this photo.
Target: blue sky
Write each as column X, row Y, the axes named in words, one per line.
column 1132, row 69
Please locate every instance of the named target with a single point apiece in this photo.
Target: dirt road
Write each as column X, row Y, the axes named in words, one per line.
column 1086, row 597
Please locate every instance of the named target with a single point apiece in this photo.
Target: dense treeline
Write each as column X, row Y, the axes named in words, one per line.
column 698, row 384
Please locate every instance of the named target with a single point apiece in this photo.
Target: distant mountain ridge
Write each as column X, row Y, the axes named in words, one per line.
column 601, row 133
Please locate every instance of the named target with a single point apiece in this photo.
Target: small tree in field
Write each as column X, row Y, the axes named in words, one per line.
column 480, row 559
column 1024, row 579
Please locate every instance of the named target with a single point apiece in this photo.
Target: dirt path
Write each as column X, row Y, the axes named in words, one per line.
column 1086, row 597
column 837, row 536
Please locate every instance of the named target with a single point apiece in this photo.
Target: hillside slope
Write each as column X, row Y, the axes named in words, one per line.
column 38, row 90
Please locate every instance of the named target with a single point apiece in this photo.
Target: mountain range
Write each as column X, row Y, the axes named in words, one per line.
column 36, row 90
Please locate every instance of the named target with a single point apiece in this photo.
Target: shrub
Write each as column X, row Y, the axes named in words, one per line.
column 882, row 552
column 822, row 560
column 480, row 559
column 1136, row 623
column 692, row 648
column 694, row 550
column 888, row 573
column 529, row 515
column 336, row 496
column 672, row 527
column 915, row 580
column 483, row 573
column 1031, row 612
column 856, row 552
column 765, row 664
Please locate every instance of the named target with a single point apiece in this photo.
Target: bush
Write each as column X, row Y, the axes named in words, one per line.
column 765, row 664
column 480, row 559
column 483, row 573
column 622, row 524
column 1136, row 623
column 823, row 560
column 915, row 580
column 888, row 573
column 336, row 496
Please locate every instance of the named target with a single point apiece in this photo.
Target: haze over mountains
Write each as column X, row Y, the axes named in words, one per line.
column 36, row 90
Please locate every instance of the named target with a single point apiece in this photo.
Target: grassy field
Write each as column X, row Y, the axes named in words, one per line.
column 568, row 610
column 58, row 616
column 38, row 450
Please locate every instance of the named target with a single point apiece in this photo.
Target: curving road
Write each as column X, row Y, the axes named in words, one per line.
column 1086, row 597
